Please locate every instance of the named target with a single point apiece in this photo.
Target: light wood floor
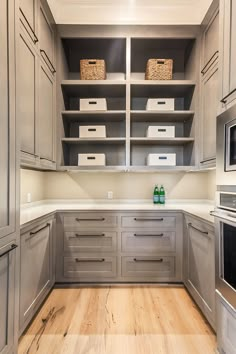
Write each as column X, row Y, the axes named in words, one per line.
column 119, row 320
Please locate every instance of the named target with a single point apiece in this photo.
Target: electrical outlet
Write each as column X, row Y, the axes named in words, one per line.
column 29, row 197
column 109, row 195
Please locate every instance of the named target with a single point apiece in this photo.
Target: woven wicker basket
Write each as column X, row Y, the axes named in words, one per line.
column 159, row 69
column 92, row 69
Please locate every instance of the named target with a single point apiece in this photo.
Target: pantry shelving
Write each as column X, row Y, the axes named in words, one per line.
column 126, row 145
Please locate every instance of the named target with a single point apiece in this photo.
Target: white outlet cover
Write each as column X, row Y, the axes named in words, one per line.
column 110, row 195
column 29, row 197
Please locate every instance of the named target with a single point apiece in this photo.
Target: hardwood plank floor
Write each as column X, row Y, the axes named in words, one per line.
column 119, row 320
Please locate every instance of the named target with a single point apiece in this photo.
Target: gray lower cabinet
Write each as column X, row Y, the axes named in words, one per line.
column 119, row 246
column 199, row 265
column 226, row 327
column 36, row 268
column 7, row 294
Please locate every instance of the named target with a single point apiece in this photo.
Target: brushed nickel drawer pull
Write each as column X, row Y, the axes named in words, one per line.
column 89, row 260
column 94, row 219
column 42, row 228
column 13, row 246
column 82, row 235
column 35, row 40
column 203, row 70
column 47, row 61
column 208, row 160
column 154, row 235
column 145, row 219
column 224, row 99
column 195, row 228
column 149, row 260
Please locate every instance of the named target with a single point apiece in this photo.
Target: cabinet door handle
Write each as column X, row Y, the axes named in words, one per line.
column 224, row 99
column 146, row 219
column 13, row 246
column 160, row 260
column 154, row 235
column 80, row 260
column 208, row 160
column 82, row 235
column 51, row 67
column 203, row 70
column 35, row 40
column 195, row 228
column 93, row 219
column 42, row 228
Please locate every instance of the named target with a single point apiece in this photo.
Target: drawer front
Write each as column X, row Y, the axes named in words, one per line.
column 151, row 242
column 90, row 267
column 155, row 267
column 91, row 220
column 156, row 222
column 90, row 241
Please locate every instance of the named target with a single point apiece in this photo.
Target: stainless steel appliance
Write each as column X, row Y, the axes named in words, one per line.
column 225, row 221
column 226, row 148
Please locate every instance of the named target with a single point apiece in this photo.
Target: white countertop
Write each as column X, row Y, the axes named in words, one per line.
column 34, row 211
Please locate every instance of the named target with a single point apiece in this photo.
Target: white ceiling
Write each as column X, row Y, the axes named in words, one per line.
column 151, row 12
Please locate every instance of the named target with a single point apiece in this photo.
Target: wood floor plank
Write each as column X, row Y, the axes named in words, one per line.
column 119, row 320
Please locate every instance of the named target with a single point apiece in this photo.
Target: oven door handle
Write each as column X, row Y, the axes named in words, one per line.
column 224, row 216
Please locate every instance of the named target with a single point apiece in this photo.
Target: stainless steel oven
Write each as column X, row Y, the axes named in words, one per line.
column 225, row 221
column 226, row 148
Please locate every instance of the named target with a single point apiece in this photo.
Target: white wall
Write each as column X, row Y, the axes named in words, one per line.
column 63, row 185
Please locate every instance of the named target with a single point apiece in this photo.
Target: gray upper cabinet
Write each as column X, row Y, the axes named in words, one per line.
column 46, row 115
column 210, row 43
column 199, row 257
column 28, row 14
column 7, row 120
column 228, row 59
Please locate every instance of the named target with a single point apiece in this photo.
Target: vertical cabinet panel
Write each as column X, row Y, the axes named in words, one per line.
column 7, row 296
column 35, row 270
column 27, row 95
column 46, row 115
column 211, row 41
column 28, row 11
column 7, row 121
column 46, row 38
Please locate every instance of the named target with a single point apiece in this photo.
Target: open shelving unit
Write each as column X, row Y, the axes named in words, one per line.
column 126, row 146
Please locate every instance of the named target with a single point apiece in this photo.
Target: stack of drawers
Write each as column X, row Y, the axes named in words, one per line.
column 89, row 246
column 150, row 248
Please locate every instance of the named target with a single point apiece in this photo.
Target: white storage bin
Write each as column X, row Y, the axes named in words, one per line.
column 161, row 131
column 92, row 131
column 161, row 160
column 91, row 160
column 93, row 104
column 160, row 104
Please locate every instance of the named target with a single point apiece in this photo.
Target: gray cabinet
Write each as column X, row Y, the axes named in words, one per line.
column 46, row 38
column 28, row 18
column 7, row 295
column 36, row 270
column 228, row 55
column 199, row 265
column 210, row 43
column 226, row 327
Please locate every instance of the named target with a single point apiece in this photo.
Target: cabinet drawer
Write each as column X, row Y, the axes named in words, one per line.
column 151, row 242
column 145, row 221
column 90, row 267
column 84, row 220
column 155, row 267
column 90, row 241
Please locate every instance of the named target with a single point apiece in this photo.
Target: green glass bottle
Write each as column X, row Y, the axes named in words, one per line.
column 156, row 195
column 162, row 198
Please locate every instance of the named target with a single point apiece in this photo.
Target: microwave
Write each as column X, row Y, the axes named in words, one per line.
column 226, row 148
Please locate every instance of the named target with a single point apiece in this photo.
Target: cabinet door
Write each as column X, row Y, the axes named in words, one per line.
column 209, row 103
column 46, row 115
column 36, row 276
column 211, row 43
column 28, row 11
column 7, row 119
column 26, row 95
column 7, row 296
column 228, row 39
column 46, row 38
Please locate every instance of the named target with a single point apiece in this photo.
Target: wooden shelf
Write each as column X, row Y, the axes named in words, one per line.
column 161, row 116
column 161, row 141
column 93, row 88
column 170, row 88
column 93, row 168
column 160, row 168
column 101, row 116
column 93, row 141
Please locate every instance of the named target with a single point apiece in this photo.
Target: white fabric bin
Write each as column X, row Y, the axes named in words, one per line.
column 93, row 104
column 160, row 104
column 161, row 131
column 161, row 160
column 91, row 160
column 92, row 131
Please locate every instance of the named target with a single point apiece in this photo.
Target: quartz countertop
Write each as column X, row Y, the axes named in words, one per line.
column 33, row 211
